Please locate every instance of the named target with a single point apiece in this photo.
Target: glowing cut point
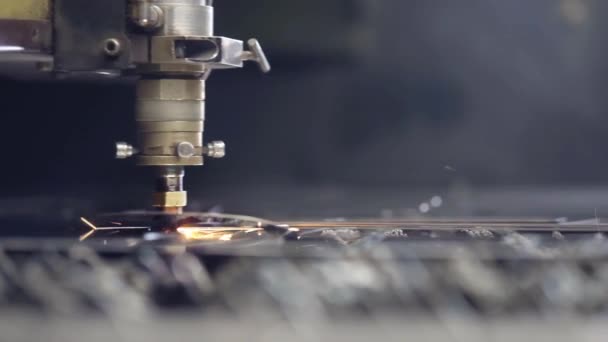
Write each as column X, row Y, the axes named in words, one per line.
column 93, row 229
column 188, row 233
column 197, row 233
column 85, row 236
column 88, row 223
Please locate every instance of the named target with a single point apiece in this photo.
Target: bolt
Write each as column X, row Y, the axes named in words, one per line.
column 185, row 150
column 124, row 150
column 216, row 149
column 148, row 16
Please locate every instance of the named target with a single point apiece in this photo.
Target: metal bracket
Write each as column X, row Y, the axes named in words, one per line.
column 90, row 36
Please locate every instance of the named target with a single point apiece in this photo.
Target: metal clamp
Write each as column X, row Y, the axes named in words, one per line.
column 256, row 54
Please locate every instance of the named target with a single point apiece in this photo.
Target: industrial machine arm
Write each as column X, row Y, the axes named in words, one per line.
column 169, row 45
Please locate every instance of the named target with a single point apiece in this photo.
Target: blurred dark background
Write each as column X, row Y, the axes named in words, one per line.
column 386, row 96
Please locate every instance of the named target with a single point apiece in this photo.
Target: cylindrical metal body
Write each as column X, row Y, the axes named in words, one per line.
column 170, row 112
column 171, row 178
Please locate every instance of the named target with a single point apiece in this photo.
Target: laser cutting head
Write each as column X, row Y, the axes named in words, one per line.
column 175, row 51
column 169, row 45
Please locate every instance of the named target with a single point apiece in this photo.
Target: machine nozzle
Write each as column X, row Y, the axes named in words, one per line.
column 170, row 196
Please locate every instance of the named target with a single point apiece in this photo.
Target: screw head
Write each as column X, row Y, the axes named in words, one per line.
column 185, row 149
column 147, row 16
column 112, row 47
